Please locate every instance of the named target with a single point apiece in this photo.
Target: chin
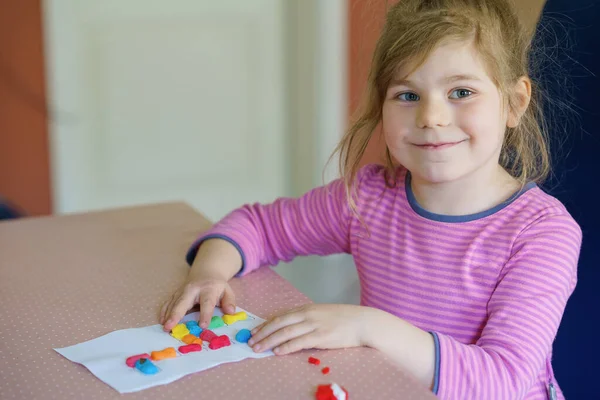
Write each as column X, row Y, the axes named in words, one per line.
column 434, row 175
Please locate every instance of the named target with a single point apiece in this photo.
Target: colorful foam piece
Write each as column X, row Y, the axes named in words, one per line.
column 230, row 319
column 207, row 335
column 331, row 392
column 193, row 327
column 190, row 339
column 243, row 335
column 146, row 366
column 189, row 348
column 325, row 370
column 179, row 331
column 314, row 360
column 169, row 352
column 216, row 322
column 219, row 342
column 133, row 359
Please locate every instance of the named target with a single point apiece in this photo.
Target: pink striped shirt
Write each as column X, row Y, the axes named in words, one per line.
column 490, row 287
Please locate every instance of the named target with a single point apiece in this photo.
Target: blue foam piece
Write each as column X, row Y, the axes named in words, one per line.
column 146, row 366
column 193, row 328
column 243, row 336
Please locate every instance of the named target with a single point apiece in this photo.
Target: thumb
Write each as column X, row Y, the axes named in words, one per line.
column 228, row 300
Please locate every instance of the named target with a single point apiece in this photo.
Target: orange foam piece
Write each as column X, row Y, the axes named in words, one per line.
column 169, row 352
column 191, row 339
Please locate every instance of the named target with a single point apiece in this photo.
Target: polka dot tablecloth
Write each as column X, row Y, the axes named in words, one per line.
column 68, row 279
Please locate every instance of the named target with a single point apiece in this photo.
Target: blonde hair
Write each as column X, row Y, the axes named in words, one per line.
column 413, row 29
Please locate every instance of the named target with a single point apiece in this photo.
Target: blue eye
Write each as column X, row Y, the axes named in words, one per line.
column 408, row 96
column 460, row 93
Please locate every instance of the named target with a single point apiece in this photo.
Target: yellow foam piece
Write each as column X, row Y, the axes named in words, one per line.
column 238, row 316
column 191, row 339
column 179, row 331
column 169, row 352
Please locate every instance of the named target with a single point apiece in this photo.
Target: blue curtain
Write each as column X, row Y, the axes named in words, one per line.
column 576, row 350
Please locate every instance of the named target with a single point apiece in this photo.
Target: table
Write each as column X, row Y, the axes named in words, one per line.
column 68, row 279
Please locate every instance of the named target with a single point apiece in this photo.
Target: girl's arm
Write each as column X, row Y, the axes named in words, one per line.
column 315, row 224
column 524, row 313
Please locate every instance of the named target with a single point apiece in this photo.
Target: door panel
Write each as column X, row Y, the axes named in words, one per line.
column 158, row 101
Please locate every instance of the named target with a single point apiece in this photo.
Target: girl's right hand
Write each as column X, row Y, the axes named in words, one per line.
column 207, row 292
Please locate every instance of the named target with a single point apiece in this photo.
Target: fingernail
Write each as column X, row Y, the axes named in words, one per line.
column 276, row 350
column 256, row 348
column 251, row 342
column 169, row 322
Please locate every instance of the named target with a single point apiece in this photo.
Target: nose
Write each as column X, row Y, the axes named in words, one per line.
column 433, row 113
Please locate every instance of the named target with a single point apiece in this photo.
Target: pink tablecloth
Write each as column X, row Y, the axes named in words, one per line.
column 65, row 280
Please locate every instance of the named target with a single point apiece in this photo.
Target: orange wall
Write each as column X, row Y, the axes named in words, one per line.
column 24, row 155
column 366, row 18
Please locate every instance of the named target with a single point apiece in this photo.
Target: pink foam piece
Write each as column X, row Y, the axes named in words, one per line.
column 188, row 348
column 220, row 341
column 207, row 335
column 133, row 359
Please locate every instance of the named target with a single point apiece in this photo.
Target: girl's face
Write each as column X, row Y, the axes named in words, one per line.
column 445, row 120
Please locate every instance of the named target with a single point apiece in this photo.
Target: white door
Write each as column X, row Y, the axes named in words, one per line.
column 167, row 100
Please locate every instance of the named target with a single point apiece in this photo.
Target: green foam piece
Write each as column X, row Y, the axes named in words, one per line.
column 216, row 322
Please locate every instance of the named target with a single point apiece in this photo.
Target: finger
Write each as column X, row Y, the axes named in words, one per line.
column 180, row 307
column 262, row 325
column 170, row 304
column 207, row 308
column 228, row 301
column 258, row 328
column 307, row 341
column 163, row 312
column 282, row 336
column 274, row 325
column 167, row 305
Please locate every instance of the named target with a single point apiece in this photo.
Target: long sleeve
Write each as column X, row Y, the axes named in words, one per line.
column 524, row 313
column 317, row 223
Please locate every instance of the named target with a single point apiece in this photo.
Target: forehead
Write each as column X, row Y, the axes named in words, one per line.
column 450, row 58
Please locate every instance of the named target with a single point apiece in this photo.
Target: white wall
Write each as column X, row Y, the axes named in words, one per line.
column 213, row 103
column 319, row 98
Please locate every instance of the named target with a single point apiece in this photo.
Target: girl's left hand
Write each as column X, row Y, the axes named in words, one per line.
column 320, row 326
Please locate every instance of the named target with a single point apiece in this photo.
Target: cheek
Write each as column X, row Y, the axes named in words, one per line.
column 481, row 119
column 395, row 124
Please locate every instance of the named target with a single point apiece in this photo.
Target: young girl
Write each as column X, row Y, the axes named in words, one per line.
column 461, row 256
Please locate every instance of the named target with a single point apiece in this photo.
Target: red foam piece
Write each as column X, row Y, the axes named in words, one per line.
column 208, row 335
column 188, row 348
column 219, row 341
column 314, row 361
column 133, row 359
column 325, row 370
column 325, row 392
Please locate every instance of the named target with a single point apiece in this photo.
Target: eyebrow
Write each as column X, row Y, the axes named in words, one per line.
column 448, row 79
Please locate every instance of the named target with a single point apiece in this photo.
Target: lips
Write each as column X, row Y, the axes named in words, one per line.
column 438, row 145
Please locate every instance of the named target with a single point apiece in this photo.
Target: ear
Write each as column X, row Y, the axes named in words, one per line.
column 522, row 97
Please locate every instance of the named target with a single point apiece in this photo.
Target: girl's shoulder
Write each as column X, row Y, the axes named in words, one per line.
column 536, row 207
column 377, row 177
